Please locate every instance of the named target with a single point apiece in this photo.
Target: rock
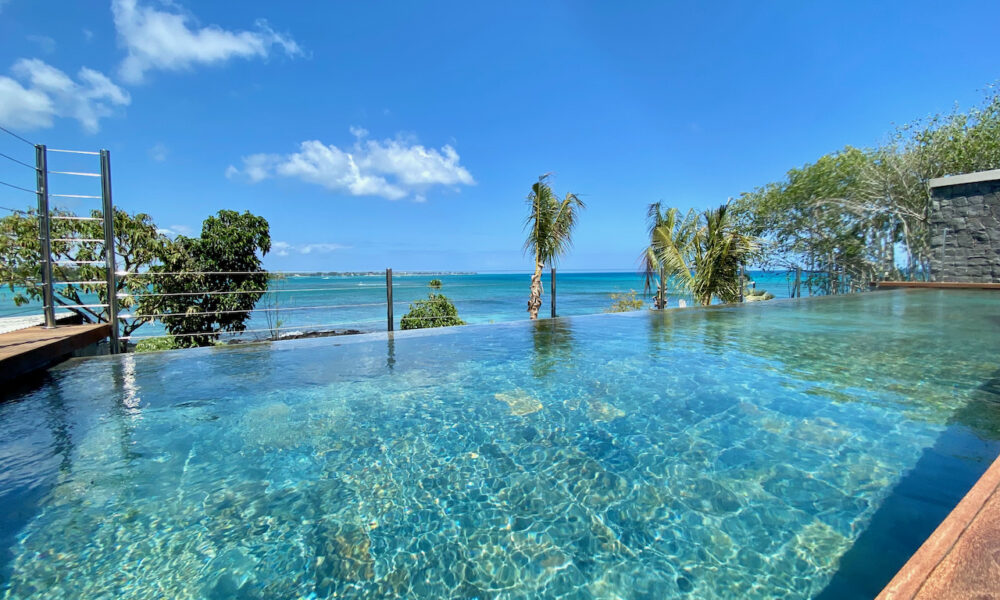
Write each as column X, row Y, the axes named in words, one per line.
column 520, row 403
column 343, row 554
column 600, row 411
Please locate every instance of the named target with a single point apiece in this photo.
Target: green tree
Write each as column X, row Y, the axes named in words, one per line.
column 809, row 222
column 550, row 224
column 667, row 255
column 78, row 272
column 434, row 284
column 436, row 311
column 624, row 302
column 210, row 284
column 843, row 217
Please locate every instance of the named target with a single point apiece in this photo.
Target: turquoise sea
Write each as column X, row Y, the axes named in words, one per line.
column 319, row 303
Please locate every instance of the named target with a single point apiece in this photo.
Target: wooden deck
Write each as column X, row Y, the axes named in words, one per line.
column 28, row 350
column 961, row 559
column 941, row 285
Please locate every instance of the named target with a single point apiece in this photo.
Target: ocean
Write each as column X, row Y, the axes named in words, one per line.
column 305, row 303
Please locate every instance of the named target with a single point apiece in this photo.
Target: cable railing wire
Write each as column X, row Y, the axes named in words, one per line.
column 267, row 330
column 246, row 310
column 17, row 187
column 342, row 325
column 229, row 292
column 8, row 131
column 11, row 158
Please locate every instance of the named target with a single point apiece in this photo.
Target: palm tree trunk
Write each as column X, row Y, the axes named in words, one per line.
column 535, row 300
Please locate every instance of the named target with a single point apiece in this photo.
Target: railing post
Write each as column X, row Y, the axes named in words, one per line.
column 661, row 301
column 109, row 249
column 553, row 302
column 742, row 283
column 388, row 296
column 44, row 233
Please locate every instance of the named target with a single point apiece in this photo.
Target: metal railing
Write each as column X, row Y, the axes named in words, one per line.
column 282, row 284
column 43, row 195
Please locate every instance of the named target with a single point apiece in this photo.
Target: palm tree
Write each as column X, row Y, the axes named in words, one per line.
column 669, row 250
column 550, row 226
column 720, row 251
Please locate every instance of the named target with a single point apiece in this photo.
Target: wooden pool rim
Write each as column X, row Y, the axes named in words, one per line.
column 961, row 559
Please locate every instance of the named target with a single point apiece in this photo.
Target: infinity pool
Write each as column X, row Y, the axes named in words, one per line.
column 798, row 449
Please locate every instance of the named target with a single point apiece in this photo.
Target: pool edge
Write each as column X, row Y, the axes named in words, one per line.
column 961, row 558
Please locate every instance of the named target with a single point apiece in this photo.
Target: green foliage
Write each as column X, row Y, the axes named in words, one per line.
column 625, row 302
column 842, row 217
column 271, row 305
column 434, row 284
column 702, row 253
column 819, row 221
column 670, row 242
column 550, row 224
column 436, row 311
column 721, row 250
column 226, row 258
column 155, row 344
column 137, row 248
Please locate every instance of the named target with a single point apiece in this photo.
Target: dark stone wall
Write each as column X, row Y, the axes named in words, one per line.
column 964, row 225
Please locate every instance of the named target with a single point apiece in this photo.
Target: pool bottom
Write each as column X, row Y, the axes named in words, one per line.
column 522, row 461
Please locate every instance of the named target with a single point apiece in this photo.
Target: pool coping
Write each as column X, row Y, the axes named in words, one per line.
column 961, row 559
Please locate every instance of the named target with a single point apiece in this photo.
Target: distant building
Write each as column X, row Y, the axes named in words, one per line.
column 964, row 225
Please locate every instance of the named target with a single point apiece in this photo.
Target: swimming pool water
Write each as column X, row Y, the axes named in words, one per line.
column 721, row 453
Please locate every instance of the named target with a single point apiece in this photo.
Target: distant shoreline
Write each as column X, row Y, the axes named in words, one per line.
column 370, row 273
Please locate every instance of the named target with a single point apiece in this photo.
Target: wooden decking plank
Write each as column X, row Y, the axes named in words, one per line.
column 34, row 348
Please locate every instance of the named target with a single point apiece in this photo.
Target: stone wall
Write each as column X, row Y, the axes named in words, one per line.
column 964, row 224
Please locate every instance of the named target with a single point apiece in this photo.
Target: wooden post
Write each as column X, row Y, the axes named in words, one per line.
column 388, row 296
column 797, row 290
column 553, row 301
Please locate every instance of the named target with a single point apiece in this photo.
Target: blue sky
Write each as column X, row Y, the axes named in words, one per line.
column 408, row 134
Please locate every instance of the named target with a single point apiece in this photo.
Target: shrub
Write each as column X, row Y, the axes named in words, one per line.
column 154, row 344
column 436, row 311
column 624, row 302
column 434, row 284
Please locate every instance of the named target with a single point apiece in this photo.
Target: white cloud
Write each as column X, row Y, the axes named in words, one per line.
column 48, row 93
column 159, row 152
column 24, row 108
column 284, row 248
column 320, row 248
column 392, row 169
column 175, row 230
column 171, row 41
